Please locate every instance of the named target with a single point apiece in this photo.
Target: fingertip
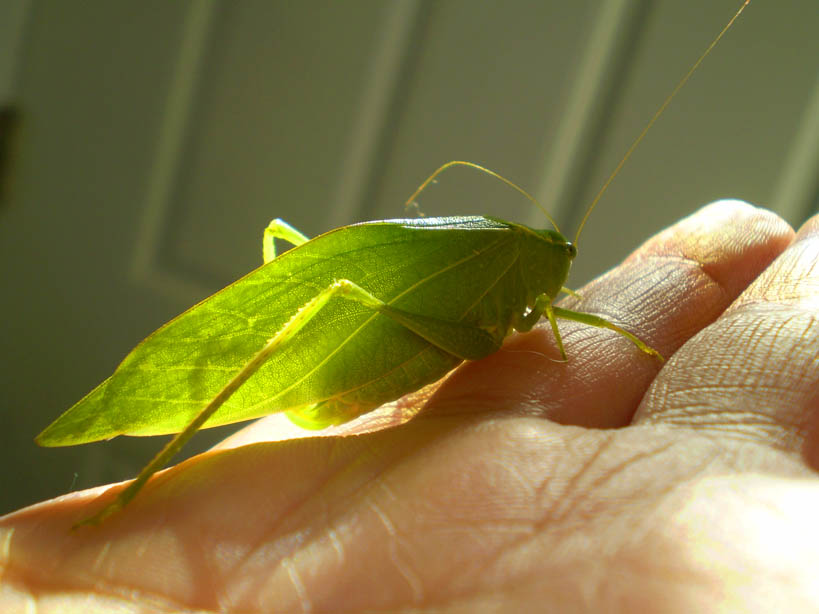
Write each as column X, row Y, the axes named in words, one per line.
column 809, row 228
column 792, row 278
column 730, row 240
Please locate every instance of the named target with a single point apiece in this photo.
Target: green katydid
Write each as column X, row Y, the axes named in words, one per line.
column 338, row 326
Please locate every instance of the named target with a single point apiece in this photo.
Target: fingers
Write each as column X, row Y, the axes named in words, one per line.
column 754, row 373
column 669, row 289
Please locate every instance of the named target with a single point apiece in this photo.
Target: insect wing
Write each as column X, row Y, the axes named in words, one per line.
column 346, row 350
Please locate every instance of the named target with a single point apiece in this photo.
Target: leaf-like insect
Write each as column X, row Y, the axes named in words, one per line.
column 337, row 326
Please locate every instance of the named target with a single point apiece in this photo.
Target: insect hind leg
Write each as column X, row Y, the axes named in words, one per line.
column 279, row 229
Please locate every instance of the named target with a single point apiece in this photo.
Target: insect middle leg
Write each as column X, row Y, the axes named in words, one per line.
column 598, row 322
column 543, row 306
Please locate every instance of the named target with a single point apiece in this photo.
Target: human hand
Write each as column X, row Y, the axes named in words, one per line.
column 608, row 483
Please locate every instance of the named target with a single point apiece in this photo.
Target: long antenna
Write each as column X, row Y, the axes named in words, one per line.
column 656, row 116
column 483, row 169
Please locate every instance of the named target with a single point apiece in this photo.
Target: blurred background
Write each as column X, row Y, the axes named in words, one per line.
column 145, row 145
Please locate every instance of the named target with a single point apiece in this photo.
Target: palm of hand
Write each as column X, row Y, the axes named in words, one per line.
column 599, row 484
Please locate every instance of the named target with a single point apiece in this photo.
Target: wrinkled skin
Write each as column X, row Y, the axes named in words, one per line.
column 608, row 483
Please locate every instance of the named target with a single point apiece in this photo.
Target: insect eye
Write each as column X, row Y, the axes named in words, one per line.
column 571, row 250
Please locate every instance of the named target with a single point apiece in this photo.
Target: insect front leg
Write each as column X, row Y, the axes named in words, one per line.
column 570, row 292
column 279, row 229
column 543, row 306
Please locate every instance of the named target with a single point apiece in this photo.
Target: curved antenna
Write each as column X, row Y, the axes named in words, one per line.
column 512, row 185
column 656, row 116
